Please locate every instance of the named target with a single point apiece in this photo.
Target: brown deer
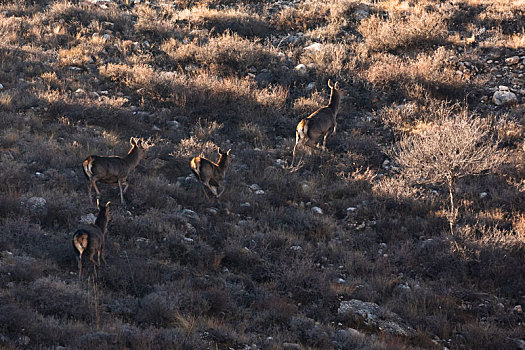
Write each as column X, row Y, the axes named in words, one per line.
column 211, row 174
column 320, row 123
column 114, row 169
column 91, row 238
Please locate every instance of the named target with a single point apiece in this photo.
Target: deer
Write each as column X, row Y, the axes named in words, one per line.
column 320, row 123
column 114, row 169
column 212, row 174
column 91, row 238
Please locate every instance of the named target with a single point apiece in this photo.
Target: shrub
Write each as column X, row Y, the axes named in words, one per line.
column 450, row 149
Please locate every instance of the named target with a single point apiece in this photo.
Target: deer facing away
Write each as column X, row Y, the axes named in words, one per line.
column 114, row 169
column 91, row 238
column 320, row 123
column 211, row 174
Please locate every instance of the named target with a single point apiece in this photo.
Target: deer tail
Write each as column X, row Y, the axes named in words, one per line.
column 301, row 131
column 196, row 167
column 87, row 166
column 80, row 241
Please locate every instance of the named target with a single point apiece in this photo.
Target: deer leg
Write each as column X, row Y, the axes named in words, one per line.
column 223, row 188
column 94, row 182
column 80, row 265
column 293, row 154
column 212, row 189
column 120, row 187
column 126, row 185
column 91, row 259
column 89, row 192
column 324, row 141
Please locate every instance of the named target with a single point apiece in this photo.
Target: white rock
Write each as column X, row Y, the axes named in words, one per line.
column 106, row 36
column 503, row 88
column 310, row 86
column 518, row 309
column 386, row 163
column 88, row 219
column 259, row 192
column 1, row 86
column 255, row 187
column 305, row 187
column 314, row 47
column 341, row 281
column 301, row 69
column 483, row 195
column 502, row 98
column 173, row 124
column 351, row 209
column 190, row 214
column 512, row 60
column 296, row 247
column 317, row 210
column 245, row 205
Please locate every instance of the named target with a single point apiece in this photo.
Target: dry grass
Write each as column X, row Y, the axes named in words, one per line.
column 260, row 267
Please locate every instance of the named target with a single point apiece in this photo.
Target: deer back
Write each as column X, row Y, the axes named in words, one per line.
column 320, row 122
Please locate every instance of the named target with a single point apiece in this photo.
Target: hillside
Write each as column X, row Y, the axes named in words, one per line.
column 358, row 247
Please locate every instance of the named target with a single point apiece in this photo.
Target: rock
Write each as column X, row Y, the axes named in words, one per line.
column 512, row 60
column 483, row 195
column 1, row 86
column 386, row 163
column 503, row 88
column 189, row 214
column 305, row 187
column 245, row 205
column 341, row 281
column 88, row 219
column 106, row 36
column 310, row 86
column 79, row 91
column 504, row 98
column 259, row 192
column 23, row 340
column 280, row 163
column 296, row 247
column 252, row 69
column 255, row 187
column 373, row 316
column 314, row 47
column 36, row 204
column 291, row 346
column 518, row 309
column 264, row 77
column 351, row 209
column 317, row 210
column 301, row 69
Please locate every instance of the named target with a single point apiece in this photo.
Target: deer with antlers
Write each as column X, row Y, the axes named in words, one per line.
column 320, row 123
column 114, row 169
column 91, row 238
column 211, row 174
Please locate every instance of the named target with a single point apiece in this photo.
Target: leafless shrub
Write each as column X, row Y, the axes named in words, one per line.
column 448, row 150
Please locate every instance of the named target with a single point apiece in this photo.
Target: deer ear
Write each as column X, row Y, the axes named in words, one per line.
column 336, row 86
column 330, row 85
column 108, row 203
column 228, row 152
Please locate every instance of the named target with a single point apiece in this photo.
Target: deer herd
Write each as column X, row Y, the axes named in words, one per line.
column 116, row 169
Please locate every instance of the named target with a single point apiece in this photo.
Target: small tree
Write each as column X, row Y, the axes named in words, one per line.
column 451, row 148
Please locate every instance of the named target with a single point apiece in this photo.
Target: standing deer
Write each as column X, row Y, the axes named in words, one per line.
column 91, row 238
column 114, row 169
column 211, row 174
column 320, row 123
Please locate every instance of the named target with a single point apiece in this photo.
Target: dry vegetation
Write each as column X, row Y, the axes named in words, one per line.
column 260, row 268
